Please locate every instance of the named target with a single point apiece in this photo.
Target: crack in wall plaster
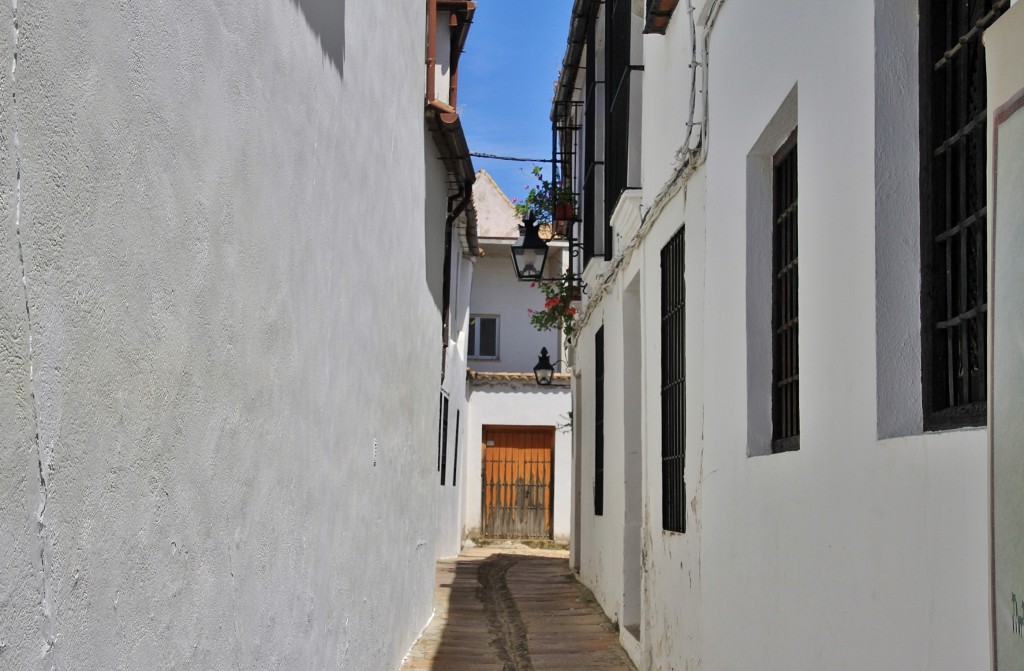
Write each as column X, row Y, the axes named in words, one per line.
column 42, row 459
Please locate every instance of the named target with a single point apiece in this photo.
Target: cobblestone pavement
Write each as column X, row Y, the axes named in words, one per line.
column 514, row 610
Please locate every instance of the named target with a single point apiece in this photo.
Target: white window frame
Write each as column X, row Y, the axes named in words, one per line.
column 474, row 344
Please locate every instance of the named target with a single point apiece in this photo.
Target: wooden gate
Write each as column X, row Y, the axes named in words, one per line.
column 518, row 481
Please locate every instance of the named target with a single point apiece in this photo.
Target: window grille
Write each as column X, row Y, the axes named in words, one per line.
column 455, row 456
column 444, row 437
column 673, row 384
column 954, row 210
column 599, row 422
column 618, row 28
column 483, row 337
column 566, row 124
column 440, row 425
column 785, row 312
column 593, row 150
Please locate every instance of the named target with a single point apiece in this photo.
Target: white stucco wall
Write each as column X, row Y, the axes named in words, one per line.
column 855, row 552
column 601, row 536
column 234, row 357
column 856, row 537
column 20, row 615
column 525, row 404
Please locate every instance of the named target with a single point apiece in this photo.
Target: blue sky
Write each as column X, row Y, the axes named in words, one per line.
column 506, row 81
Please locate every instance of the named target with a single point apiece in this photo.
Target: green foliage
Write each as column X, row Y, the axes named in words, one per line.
column 543, row 197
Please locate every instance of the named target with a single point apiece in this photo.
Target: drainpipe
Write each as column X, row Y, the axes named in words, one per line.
column 454, row 6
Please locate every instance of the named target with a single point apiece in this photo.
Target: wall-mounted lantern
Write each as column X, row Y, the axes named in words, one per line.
column 529, row 252
column 543, row 371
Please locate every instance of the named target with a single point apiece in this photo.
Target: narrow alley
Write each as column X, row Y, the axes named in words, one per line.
column 502, row 335
column 514, row 609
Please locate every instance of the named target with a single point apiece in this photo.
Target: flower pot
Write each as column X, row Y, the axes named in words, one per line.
column 564, row 212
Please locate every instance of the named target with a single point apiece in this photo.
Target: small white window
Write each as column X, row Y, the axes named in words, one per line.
column 483, row 337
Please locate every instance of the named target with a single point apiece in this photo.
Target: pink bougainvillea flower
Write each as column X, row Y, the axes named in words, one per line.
column 533, row 285
column 529, row 311
column 572, row 311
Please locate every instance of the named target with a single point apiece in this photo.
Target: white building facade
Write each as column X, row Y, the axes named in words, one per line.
column 223, row 332
column 780, row 410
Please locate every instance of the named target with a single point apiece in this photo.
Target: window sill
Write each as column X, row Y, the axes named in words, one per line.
column 973, row 416
column 935, row 437
column 781, row 445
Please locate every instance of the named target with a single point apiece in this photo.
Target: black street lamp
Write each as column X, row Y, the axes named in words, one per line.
column 529, row 252
column 543, row 370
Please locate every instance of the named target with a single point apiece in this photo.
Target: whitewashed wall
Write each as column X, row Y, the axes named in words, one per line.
column 601, row 536
column 21, row 618
column 854, row 552
column 233, row 304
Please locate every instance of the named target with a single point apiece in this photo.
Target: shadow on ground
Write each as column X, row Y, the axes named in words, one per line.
column 514, row 612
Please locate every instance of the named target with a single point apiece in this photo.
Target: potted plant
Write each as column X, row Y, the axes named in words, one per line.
column 558, row 312
column 551, row 203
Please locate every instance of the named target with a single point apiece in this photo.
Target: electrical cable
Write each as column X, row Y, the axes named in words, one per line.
column 509, row 158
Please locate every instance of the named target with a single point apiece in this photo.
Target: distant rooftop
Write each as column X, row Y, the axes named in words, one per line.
column 495, row 213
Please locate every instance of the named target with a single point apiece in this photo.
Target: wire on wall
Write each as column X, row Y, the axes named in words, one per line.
column 689, row 157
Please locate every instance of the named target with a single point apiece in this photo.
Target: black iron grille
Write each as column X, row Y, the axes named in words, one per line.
column 593, row 209
column 673, row 384
column 455, row 456
column 785, row 312
column 618, row 28
column 599, row 422
column 444, row 437
column 440, row 426
column 954, row 209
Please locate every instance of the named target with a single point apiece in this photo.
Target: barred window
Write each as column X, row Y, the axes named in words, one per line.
column 618, row 30
column 599, row 422
column 593, row 142
column 785, row 312
column 954, row 210
column 673, row 384
column 440, row 425
column 443, row 438
column 455, row 456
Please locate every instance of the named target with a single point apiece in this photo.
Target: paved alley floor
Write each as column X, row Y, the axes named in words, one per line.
column 499, row 609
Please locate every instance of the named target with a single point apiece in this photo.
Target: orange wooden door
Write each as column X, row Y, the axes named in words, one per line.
column 518, row 481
